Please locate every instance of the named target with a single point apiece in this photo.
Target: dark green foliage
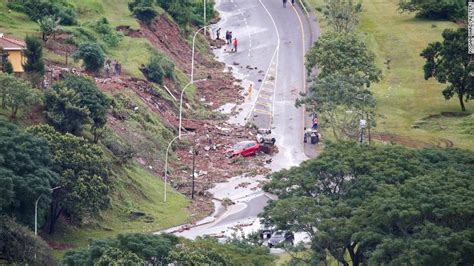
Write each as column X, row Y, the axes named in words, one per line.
column 92, row 55
column 159, row 68
column 208, row 251
column 143, row 10
column 436, row 9
column 37, row 9
column 26, row 172
column 164, row 249
column 153, row 249
column 449, row 62
column 74, row 102
column 64, row 110
column 19, row 246
column 8, row 68
column 16, row 94
column 380, row 205
column 34, row 56
column 346, row 69
column 83, row 172
column 96, row 102
column 185, row 12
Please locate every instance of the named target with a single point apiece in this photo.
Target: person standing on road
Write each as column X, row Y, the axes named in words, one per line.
column 218, row 33
column 235, row 43
column 284, row 3
column 227, row 37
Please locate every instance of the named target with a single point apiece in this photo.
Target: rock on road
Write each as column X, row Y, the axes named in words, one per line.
column 270, row 58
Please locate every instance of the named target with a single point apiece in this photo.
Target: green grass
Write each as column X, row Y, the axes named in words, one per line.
column 135, row 190
column 403, row 96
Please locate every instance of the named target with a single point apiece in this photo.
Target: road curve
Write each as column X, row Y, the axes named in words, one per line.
column 270, row 58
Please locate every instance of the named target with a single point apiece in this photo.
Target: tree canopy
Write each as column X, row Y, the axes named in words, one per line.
column 368, row 204
column 92, row 55
column 342, row 15
column 449, row 62
column 26, row 172
column 435, row 9
column 19, row 246
column 16, row 94
column 83, row 176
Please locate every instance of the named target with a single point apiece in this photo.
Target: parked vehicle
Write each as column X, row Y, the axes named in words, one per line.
column 244, row 149
column 281, row 237
column 311, row 134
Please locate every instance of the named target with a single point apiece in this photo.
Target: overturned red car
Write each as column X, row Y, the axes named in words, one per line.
column 244, row 149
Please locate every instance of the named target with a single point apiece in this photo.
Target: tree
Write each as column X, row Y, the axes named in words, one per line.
column 92, row 55
column 208, row 251
column 341, row 102
column 449, row 62
column 17, row 94
column 49, row 25
column 143, row 10
column 34, row 66
column 74, row 102
column 19, row 246
column 435, row 9
column 8, row 68
column 64, row 110
column 343, row 53
column 342, row 15
column 90, row 97
column 340, row 95
column 83, row 172
column 26, row 172
column 346, row 200
column 152, row 249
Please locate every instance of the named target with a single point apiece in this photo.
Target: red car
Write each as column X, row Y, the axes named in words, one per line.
column 244, row 148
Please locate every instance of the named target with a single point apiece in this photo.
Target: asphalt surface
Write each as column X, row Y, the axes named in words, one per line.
column 270, row 62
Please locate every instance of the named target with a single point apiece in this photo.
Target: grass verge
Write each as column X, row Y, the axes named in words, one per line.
column 409, row 105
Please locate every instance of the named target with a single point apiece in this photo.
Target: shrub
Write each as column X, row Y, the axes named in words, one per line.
column 8, row 68
column 19, row 246
column 143, row 10
column 109, row 35
column 159, row 68
column 92, row 55
column 436, row 9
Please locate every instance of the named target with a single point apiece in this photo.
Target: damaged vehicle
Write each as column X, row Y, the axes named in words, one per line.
column 244, row 149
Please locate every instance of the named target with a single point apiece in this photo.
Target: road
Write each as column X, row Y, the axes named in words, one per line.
column 270, row 62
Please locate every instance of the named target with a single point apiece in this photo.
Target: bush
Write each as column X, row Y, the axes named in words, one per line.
column 159, row 68
column 143, row 10
column 36, row 10
column 109, row 35
column 19, row 246
column 8, row 68
column 92, row 55
column 436, row 9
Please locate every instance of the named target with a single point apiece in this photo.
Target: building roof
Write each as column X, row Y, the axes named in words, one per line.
column 11, row 44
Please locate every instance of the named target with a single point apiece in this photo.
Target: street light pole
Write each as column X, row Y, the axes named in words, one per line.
column 166, row 162
column 192, row 57
column 205, row 15
column 36, row 209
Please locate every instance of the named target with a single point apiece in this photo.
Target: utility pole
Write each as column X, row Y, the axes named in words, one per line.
column 195, row 152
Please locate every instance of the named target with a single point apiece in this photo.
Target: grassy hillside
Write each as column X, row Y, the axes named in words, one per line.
column 410, row 105
column 134, row 189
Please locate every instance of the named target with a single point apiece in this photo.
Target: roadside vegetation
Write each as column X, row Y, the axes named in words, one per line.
column 410, row 110
column 371, row 205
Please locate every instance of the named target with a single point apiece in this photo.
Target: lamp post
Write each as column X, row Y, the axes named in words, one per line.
column 36, row 209
column 181, row 109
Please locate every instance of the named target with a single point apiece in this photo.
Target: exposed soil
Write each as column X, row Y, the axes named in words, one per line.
column 212, row 137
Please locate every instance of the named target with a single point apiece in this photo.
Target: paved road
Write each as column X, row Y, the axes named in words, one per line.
column 270, row 61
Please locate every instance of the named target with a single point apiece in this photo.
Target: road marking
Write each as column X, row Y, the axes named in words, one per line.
column 304, row 69
column 277, row 59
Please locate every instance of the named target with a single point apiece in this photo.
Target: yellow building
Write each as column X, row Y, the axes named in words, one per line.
column 14, row 49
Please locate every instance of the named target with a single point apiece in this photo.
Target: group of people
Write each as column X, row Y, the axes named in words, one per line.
column 285, row 1
column 112, row 67
column 228, row 38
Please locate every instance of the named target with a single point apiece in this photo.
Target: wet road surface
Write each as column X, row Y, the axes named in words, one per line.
column 270, row 61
